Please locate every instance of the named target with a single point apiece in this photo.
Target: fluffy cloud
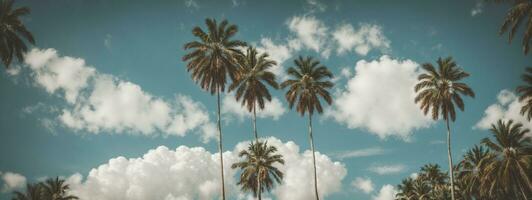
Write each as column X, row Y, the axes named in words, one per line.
column 477, row 10
column 387, row 192
column 507, row 107
column 372, row 151
column 104, row 103
column 363, row 40
column 309, row 30
column 193, row 173
column 363, row 184
column 12, row 181
column 380, row 97
column 230, row 107
column 388, row 169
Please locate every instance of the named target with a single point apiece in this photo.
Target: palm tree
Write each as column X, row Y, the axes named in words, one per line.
column 525, row 94
column 55, row 189
column 510, row 166
column 439, row 91
column 13, row 33
column 472, row 169
column 258, row 170
column 310, row 80
column 33, row 192
column 211, row 60
column 250, row 82
column 519, row 14
column 406, row 189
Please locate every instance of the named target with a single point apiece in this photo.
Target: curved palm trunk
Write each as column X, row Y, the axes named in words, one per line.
column 259, row 191
column 313, row 155
column 451, row 173
column 255, row 124
column 220, row 149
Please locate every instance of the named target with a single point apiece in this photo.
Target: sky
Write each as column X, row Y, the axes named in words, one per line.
column 104, row 100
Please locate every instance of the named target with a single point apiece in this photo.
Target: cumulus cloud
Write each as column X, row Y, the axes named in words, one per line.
column 387, row 192
column 363, row 184
column 507, row 107
column 272, row 109
column 193, row 173
column 100, row 102
column 12, row 181
column 311, row 32
column 380, row 97
column 362, row 40
column 388, row 169
column 372, row 151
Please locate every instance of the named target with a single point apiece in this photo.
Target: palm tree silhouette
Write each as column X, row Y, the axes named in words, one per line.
column 258, row 170
column 211, row 60
column 250, row 82
column 13, row 33
column 310, row 80
column 439, row 91
column 55, row 189
column 525, row 94
column 33, row 192
column 519, row 14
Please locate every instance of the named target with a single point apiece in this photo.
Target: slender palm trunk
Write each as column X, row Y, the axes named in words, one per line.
column 313, row 155
column 220, row 149
column 259, row 185
column 451, row 173
column 255, row 124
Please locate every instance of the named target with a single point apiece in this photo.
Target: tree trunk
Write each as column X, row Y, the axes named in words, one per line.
column 255, row 124
column 259, row 185
column 451, row 173
column 313, row 155
column 220, row 149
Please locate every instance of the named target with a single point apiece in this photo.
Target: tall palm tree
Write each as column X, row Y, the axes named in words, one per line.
column 510, row 167
column 56, row 189
column 258, row 170
column 33, row 192
column 519, row 14
column 472, row 169
column 525, row 94
column 309, row 81
column 439, row 91
column 211, row 60
column 13, row 33
column 406, row 189
column 250, row 82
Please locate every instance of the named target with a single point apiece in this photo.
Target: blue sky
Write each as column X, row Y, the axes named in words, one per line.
column 374, row 48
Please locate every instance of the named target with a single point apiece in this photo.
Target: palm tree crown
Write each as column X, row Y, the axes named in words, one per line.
column 471, row 170
column 439, row 90
column 525, row 94
column 258, row 168
column 251, row 79
column 56, row 189
column 310, row 80
column 33, row 192
column 509, row 168
column 13, row 32
column 519, row 14
column 213, row 56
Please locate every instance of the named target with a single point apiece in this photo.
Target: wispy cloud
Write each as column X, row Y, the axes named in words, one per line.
column 372, row 151
column 477, row 10
column 387, row 169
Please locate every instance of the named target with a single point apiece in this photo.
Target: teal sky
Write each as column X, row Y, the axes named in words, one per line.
column 141, row 42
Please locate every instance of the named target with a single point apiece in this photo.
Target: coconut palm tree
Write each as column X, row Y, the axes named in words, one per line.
column 13, row 33
column 211, row 60
column 250, row 82
column 406, row 189
column 258, row 171
column 510, row 166
column 472, row 169
column 439, row 91
column 309, row 81
column 33, row 192
column 525, row 94
column 519, row 15
column 56, row 189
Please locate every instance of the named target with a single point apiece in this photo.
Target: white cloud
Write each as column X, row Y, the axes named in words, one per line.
column 372, row 151
column 388, row 169
column 387, row 192
column 104, row 103
column 192, row 4
column 193, row 173
column 363, row 184
column 310, row 31
column 380, row 98
column 272, row 109
column 362, row 40
column 314, row 6
column 13, row 70
column 477, row 10
column 414, row 175
column 12, row 181
column 507, row 107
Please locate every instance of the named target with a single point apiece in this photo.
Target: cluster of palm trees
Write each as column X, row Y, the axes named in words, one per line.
column 215, row 59
column 51, row 189
column 498, row 168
